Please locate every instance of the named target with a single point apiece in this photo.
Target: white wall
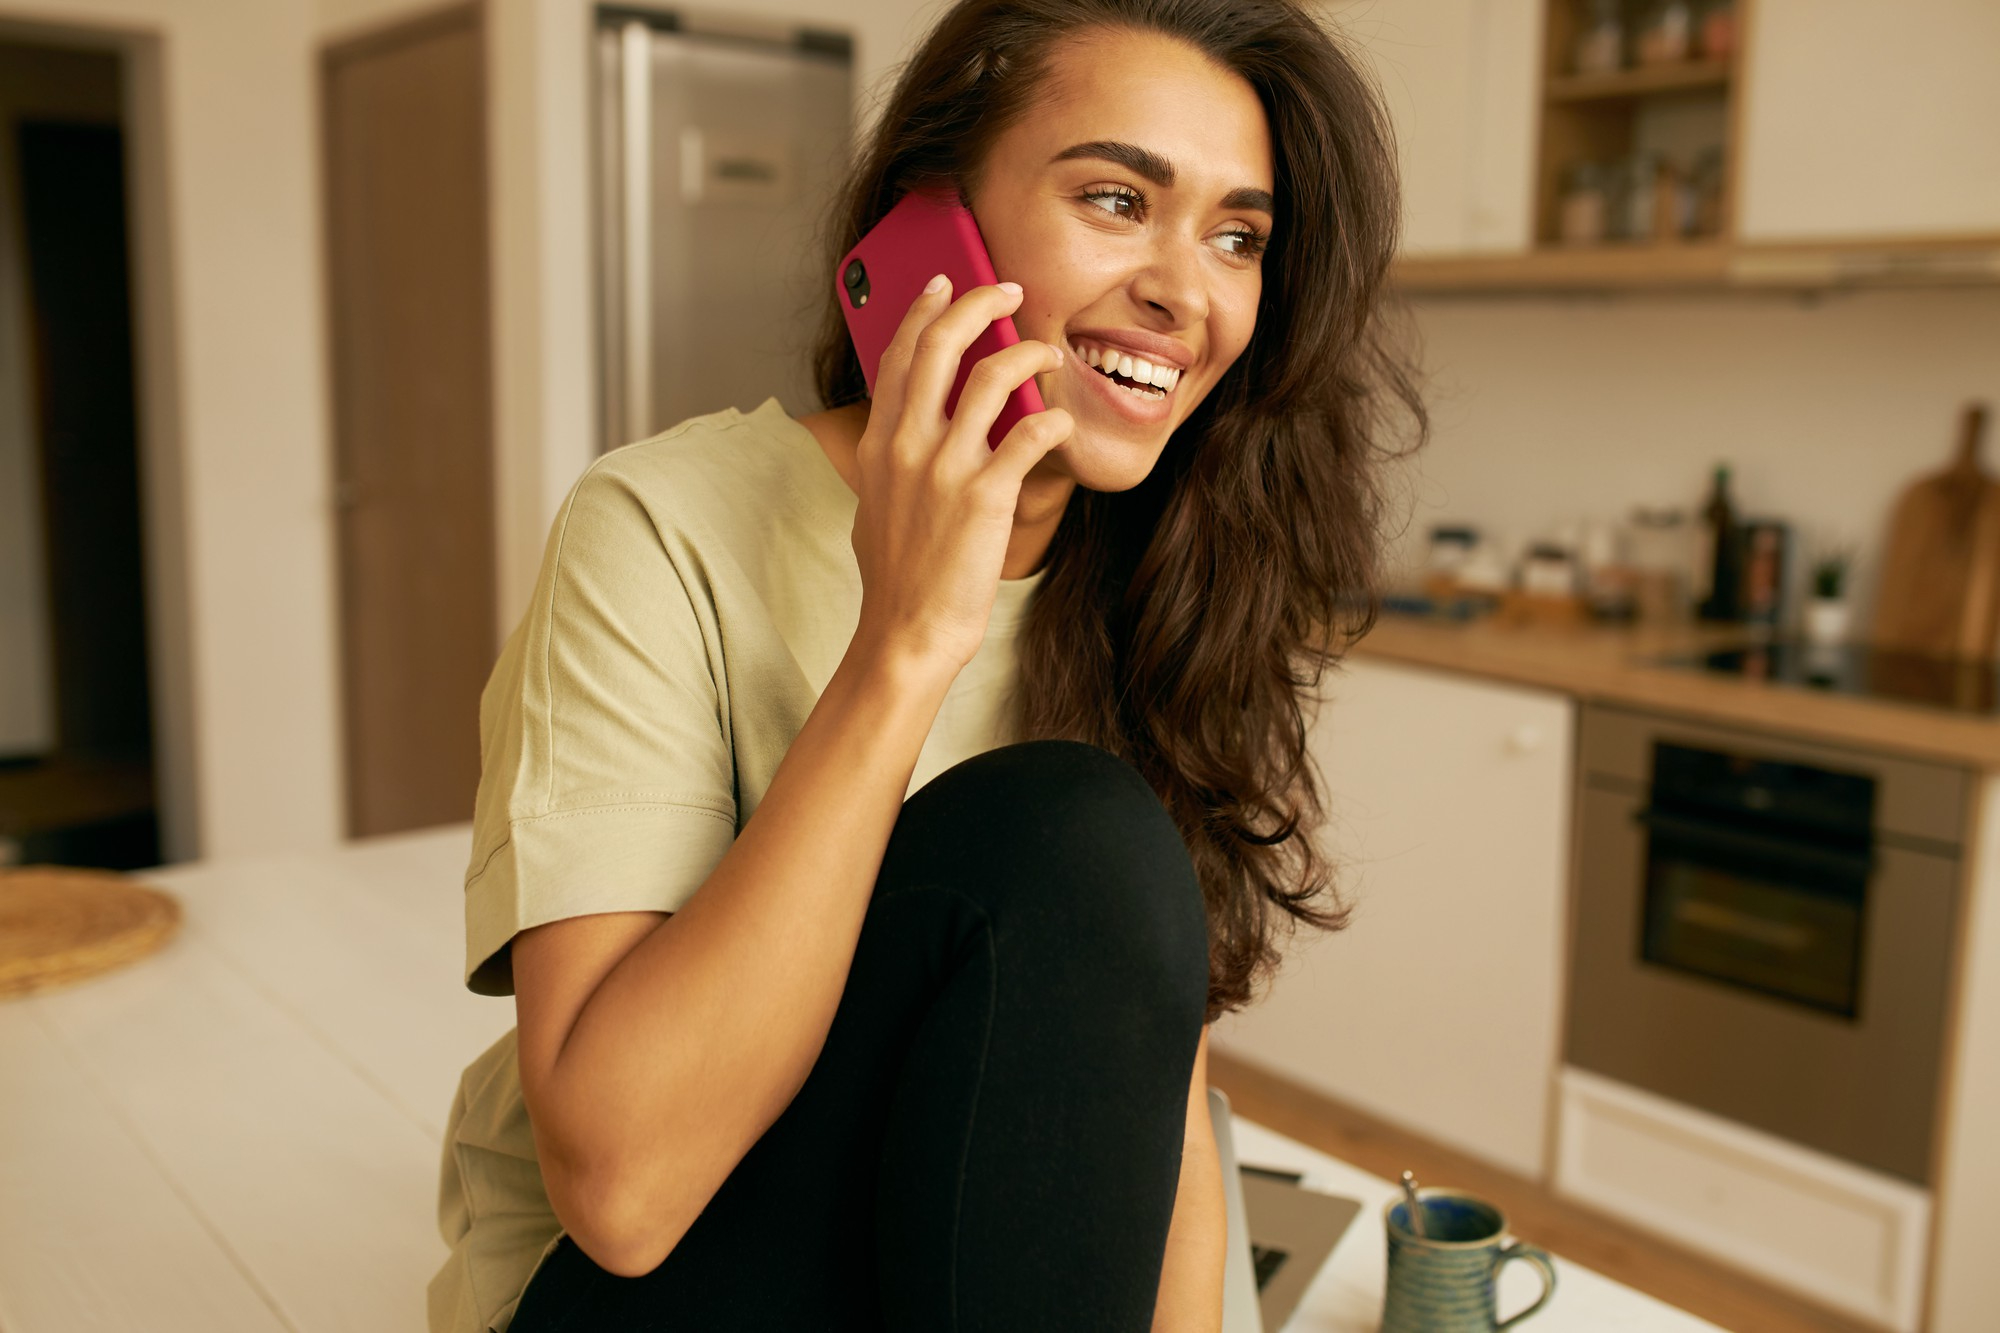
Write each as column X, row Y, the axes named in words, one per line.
column 1550, row 411
column 234, row 438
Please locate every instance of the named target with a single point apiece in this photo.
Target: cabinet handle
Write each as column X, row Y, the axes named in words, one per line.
column 1525, row 739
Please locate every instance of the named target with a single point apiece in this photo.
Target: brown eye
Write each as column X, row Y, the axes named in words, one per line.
column 1119, row 201
column 1243, row 244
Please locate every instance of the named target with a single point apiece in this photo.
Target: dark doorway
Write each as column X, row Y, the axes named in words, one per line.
column 85, row 796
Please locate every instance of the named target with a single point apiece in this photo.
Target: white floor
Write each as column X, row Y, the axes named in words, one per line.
column 242, row 1132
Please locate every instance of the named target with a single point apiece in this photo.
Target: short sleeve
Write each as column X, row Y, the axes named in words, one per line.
column 606, row 777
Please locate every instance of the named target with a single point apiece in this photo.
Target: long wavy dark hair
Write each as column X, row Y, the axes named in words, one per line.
column 1186, row 623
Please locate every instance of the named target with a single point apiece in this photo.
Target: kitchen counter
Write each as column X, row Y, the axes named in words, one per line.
column 1615, row 665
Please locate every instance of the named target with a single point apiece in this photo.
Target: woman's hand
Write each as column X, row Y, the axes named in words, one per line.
column 936, row 505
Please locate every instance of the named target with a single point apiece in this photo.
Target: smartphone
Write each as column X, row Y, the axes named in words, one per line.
column 925, row 234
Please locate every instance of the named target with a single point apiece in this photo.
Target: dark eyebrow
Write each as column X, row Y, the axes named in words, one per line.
column 1249, row 196
column 1149, row 164
column 1143, row 161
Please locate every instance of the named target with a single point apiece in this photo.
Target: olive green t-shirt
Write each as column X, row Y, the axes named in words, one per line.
column 696, row 594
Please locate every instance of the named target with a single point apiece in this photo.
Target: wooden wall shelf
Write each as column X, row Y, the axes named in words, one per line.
column 1580, row 268
column 1645, row 81
column 1959, row 261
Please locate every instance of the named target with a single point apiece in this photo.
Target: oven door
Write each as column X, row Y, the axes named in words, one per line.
column 1798, row 990
column 1775, row 914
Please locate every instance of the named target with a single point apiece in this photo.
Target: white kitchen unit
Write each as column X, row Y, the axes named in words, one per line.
column 1866, row 120
column 1449, row 804
column 1461, row 80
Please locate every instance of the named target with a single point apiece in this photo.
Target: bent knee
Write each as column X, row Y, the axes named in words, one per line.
column 1068, row 842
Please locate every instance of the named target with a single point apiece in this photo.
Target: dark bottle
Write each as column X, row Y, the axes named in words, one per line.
column 1723, row 597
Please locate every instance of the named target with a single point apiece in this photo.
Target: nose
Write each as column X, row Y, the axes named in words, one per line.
column 1171, row 282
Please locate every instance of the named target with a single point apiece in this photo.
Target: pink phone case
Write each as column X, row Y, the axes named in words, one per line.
column 924, row 235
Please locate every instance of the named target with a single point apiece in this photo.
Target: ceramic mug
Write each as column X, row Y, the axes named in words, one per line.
column 1444, row 1280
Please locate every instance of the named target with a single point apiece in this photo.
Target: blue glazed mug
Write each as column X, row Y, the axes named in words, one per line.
column 1443, row 1281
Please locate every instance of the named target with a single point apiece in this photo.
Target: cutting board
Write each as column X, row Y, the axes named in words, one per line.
column 1940, row 587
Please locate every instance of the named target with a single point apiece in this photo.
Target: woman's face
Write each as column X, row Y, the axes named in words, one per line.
column 1131, row 203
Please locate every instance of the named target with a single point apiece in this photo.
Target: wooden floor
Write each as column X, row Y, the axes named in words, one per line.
column 1618, row 1251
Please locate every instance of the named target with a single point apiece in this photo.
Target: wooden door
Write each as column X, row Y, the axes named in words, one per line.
column 407, row 290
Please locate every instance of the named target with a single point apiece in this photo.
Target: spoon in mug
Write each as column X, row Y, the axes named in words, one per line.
column 1416, row 1210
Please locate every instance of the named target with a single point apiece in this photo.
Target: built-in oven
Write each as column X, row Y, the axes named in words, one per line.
column 1762, row 930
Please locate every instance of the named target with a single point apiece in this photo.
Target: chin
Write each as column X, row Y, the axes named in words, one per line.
column 1100, row 460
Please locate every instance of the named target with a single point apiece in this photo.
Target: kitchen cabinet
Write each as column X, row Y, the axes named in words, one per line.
column 1459, row 78
column 1448, row 803
column 1866, row 120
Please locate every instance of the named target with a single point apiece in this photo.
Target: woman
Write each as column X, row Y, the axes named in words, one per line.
column 838, row 1007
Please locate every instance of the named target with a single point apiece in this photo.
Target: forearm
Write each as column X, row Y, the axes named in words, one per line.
column 694, row 1043
column 1190, row 1299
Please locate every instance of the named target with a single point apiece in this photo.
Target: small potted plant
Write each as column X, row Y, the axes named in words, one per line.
column 1827, row 610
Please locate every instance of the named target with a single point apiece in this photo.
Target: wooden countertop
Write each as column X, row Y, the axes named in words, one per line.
column 1617, row 665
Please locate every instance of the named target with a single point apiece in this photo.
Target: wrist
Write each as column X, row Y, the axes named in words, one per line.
column 899, row 664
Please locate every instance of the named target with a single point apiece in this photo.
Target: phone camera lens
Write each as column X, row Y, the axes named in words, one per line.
column 856, row 274
column 856, row 280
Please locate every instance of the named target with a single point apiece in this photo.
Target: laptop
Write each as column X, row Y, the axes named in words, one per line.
column 1279, row 1235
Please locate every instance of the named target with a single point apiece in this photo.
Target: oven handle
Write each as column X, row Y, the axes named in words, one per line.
column 1842, row 862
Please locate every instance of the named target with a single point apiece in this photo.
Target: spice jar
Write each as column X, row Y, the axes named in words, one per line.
column 1705, row 187
column 1586, row 205
column 1667, row 200
column 1666, row 32
column 1716, row 31
column 1600, row 40
column 1639, row 209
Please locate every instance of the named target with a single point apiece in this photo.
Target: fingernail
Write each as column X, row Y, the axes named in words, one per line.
column 934, row 286
column 1011, row 288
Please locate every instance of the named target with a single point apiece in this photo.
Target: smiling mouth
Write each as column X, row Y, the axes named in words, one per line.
column 1133, row 374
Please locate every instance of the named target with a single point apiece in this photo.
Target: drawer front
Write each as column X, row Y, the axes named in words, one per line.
column 1838, row 1234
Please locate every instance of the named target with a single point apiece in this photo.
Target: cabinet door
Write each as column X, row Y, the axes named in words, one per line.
column 1459, row 80
column 1448, row 823
column 1869, row 120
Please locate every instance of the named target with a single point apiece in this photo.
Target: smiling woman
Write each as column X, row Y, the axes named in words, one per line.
column 1210, row 189
column 871, row 820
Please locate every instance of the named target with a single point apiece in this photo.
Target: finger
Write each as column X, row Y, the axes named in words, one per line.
column 1032, row 439
column 942, row 344
column 991, row 381
column 894, row 368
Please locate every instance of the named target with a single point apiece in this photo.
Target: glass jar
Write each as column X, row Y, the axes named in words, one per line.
column 1586, row 205
column 1705, row 184
column 1600, row 37
column 1639, row 208
column 1715, row 30
column 1665, row 33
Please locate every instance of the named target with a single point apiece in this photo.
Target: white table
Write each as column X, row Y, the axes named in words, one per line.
column 242, row 1132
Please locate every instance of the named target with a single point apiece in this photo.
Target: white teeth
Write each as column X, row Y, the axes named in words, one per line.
column 1161, row 377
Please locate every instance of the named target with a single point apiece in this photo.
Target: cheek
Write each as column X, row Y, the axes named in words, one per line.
column 1231, row 322
column 1061, row 273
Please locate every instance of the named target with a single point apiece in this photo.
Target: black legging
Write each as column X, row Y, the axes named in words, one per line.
column 991, row 1137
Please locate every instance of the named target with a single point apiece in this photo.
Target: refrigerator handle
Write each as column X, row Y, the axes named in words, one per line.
column 636, row 96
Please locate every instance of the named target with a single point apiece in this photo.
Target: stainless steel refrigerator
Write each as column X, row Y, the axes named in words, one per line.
column 718, row 146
